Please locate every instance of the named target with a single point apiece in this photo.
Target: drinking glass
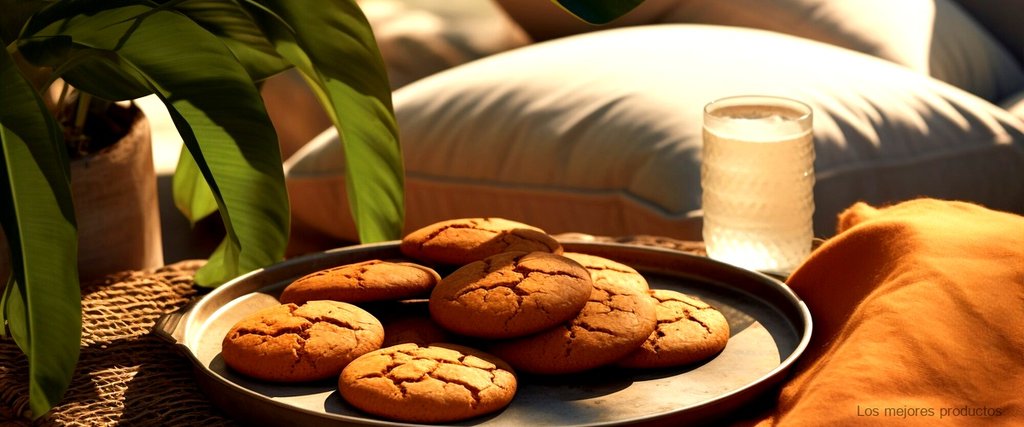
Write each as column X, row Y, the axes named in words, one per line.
column 757, row 180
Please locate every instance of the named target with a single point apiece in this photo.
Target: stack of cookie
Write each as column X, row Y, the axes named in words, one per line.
column 510, row 301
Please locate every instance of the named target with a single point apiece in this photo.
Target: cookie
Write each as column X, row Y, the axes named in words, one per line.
column 293, row 343
column 688, row 331
column 409, row 322
column 616, row 320
column 462, row 241
column 610, row 271
column 414, row 330
column 373, row 280
column 427, row 384
column 510, row 294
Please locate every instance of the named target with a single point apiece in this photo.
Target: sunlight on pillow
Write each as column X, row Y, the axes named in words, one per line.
column 601, row 133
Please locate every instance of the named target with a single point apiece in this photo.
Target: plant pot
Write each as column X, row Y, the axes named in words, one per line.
column 116, row 207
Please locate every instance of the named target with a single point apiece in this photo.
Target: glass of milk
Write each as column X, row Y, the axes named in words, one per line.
column 757, row 177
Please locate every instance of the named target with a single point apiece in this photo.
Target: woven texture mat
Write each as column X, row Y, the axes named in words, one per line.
column 125, row 375
column 128, row 376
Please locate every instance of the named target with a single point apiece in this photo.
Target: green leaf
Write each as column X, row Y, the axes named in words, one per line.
column 105, row 78
column 16, row 12
column 3, row 306
column 95, row 71
column 227, row 20
column 598, row 12
column 43, row 308
column 192, row 196
column 218, row 111
column 333, row 46
column 233, row 25
column 14, row 306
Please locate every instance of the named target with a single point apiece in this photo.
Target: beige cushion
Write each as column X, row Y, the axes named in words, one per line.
column 1015, row 105
column 421, row 37
column 1002, row 19
column 416, row 38
column 601, row 133
column 933, row 37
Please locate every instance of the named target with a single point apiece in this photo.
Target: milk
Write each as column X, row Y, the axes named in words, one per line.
column 757, row 178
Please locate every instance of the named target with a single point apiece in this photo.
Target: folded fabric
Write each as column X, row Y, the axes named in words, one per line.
column 918, row 311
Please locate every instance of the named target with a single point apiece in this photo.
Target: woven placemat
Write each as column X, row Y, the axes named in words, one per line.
column 125, row 374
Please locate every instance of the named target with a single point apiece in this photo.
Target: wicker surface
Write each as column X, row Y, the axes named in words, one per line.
column 128, row 376
column 125, row 375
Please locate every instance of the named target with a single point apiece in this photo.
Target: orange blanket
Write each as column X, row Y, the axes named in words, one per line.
column 918, row 317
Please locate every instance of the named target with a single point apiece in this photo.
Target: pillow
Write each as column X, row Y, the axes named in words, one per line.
column 418, row 38
column 294, row 110
column 601, row 133
column 1015, row 105
column 933, row 37
column 917, row 319
column 1002, row 19
column 545, row 20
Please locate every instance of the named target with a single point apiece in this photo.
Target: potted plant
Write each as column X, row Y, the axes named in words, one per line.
column 204, row 60
column 113, row 185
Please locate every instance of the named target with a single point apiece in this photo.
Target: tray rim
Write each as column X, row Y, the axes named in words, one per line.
column 178, row 332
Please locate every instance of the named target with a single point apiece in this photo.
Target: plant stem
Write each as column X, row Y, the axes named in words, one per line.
column 60, row 99
column 83, row 109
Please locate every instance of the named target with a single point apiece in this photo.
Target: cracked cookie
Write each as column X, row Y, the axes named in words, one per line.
column 616, row 320
column 430, row 384
column 293, row 343
column 373, row 280
column 409, row 321
column 510, row 295
column 610, row 271
column 462, row 241
column 689, row 330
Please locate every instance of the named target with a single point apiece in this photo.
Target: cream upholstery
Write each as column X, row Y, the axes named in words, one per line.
column 932, row 37
column 421, row 37
column 600, row 133
column 1001, row 19
column 1015, row 105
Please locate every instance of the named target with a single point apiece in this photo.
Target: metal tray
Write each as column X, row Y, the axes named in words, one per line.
column 770, row 328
